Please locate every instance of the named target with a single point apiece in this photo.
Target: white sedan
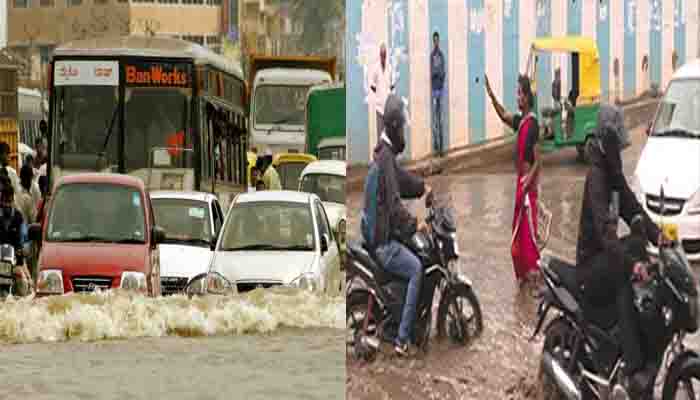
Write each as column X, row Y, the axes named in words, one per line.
column 191, row 221
column 278, row 238
column 326, row 179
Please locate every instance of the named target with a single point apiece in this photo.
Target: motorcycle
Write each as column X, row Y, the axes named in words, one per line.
column 582, row 356
column 375, row 298
column 8, row 262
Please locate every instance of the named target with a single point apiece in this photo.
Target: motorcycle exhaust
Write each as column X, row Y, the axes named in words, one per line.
column 561, row 378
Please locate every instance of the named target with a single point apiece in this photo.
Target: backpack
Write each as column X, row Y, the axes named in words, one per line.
column 368, row 224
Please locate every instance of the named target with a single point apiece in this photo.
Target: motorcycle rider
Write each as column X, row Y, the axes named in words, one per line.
column 605, row 263
column 11, row 226
column 393, row 220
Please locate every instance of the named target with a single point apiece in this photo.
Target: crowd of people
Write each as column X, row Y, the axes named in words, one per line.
column 21, row 204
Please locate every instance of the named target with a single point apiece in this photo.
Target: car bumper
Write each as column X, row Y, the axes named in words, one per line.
column 688, row 232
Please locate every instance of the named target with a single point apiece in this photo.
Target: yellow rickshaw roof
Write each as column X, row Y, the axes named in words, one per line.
column 568, row 44
column 293, row 157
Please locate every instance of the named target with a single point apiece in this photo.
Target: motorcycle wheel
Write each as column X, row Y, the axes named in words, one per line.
column 681, row 385
column 356, row 306
column 459, row 315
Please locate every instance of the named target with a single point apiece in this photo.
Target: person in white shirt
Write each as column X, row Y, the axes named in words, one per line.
column 382, row 84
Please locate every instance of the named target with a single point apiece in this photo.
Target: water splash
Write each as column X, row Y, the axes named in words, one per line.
column 118, row 315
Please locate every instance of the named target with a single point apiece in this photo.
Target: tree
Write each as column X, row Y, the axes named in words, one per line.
column 317, row 17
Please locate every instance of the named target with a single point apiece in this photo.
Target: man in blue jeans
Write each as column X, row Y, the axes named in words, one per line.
column 393, row 220
column 437, row 83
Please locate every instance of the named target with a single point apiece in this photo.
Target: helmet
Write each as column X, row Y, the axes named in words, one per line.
column 394, row 122
column 608, row 141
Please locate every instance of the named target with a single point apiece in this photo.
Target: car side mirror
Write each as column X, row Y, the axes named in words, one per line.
column 34, row 232
column 324, row 243
column 158, row 235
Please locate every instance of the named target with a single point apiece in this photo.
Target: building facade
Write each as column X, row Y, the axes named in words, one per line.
column 639, row 41
column 36, row 27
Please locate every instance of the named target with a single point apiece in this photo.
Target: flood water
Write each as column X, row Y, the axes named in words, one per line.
column 262, row 344
column 503, row 363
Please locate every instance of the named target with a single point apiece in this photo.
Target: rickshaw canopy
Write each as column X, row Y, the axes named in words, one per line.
column 589, row 61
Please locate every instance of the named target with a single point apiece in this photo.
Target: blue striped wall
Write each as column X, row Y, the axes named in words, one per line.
column 679, row 24
column 439, row 14
column 511, row 53
column 357, row 115
column 603, row 40
column 477, row 68
column 544, row 65
column 630, row 53
column 655, row 40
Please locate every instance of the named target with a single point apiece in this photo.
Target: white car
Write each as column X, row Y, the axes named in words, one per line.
column 277, row 238
column 671, row 157
column 191, row 221
column 326, row 179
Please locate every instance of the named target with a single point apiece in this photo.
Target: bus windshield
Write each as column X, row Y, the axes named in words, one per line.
column 154, row 118
column 83, row 118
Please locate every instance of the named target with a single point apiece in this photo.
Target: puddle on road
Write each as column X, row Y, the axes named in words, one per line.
column 118, row 315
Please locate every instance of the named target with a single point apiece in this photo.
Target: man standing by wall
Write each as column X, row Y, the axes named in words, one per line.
column 382, row 84
column 437, row 80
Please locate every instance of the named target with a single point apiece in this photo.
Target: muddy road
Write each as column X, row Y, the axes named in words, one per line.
column 502, row 363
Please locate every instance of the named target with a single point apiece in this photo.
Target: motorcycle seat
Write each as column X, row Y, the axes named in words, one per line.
column 362, row 254
column 604, row 317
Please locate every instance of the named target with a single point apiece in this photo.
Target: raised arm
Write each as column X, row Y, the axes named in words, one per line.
column 505, row 116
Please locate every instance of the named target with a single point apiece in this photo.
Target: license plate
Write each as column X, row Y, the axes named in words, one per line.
column 670, row 231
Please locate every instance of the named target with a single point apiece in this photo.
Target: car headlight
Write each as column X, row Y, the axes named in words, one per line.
column 217, row 284
column 636, row 187
column 305, row 281
column 50, row 282
column 693, row 205
column 134, row 281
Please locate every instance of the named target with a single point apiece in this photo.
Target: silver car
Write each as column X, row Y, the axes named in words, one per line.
column 277, row 238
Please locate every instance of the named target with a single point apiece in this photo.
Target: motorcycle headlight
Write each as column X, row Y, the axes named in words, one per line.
column 305, row 281
column 134, row 281
column 693, row 205
column 50, row 282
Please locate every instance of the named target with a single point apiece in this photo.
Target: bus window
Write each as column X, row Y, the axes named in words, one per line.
column 153, row 117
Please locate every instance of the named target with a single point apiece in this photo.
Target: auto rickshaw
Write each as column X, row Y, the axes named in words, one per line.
column 289, row 167
column 572, row 122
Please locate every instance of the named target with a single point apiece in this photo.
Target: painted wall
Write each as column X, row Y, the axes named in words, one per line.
column 493, row 37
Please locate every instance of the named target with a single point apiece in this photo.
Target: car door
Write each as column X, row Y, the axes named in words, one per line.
column 330, row 260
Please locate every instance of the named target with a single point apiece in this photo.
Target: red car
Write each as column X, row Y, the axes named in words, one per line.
column 98, row 233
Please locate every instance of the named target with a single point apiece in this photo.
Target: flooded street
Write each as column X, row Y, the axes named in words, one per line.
column 502, row 363
column 261, row 344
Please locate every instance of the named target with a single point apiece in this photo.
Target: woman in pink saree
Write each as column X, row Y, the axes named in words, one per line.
column 524, row 248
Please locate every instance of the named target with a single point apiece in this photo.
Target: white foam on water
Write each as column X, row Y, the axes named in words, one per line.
column 118, row 315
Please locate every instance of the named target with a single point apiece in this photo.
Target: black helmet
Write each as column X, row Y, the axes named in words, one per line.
column 608, row 141
column 394, row 122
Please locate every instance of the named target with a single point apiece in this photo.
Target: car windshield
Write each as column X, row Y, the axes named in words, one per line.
column 332, row 153
column 329, row 188
column 280, row 105
column 289, row 173
column 268, row 226
column 184, row 221
column 679, row 111
column 97, row 212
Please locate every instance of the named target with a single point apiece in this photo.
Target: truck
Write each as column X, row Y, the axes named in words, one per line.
column 325, row 122
column 279, row 88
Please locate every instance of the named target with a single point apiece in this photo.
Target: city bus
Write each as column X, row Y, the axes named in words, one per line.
column 168, row 111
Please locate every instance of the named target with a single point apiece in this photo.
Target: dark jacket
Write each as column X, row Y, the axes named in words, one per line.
column 437, row 69
column 597, row 232
column 395, row 183
column 11, row 232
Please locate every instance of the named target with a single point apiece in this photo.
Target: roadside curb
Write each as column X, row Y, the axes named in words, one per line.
column 490, row 152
